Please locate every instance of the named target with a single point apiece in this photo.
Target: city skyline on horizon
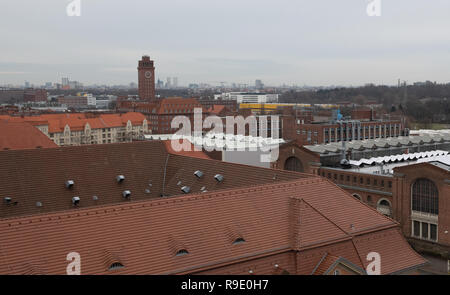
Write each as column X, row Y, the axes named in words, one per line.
column 204, row 42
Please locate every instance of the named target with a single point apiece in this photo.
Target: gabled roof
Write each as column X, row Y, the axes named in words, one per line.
column 328, row 263
column 147, row 234
column 20, row 135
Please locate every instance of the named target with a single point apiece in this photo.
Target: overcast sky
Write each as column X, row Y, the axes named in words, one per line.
column 315, row 42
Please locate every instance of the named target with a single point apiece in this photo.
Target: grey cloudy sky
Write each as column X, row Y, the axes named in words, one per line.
column 315, row 42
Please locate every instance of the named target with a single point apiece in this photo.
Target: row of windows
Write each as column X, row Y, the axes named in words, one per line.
column 383, row 127
column 424, row 230
column 355, row 179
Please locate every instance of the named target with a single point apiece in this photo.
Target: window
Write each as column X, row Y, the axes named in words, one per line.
column 115, row 265
column 433, row 232
column 425, row 197
column 357, row 196
column 416, row 228
column 182, row 252
column 424, row 230
column 238, row 241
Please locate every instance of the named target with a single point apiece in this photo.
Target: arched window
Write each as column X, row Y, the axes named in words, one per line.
column 425, row 197
column 293, row 164
column 356, row 196
column 384, row 207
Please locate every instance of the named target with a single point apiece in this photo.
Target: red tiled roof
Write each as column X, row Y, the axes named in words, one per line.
column 325, row 263
column 77, row 121
column 272, row 216
column 146, row 235
column 216, row 109
column 274, row 211
column 134, row 117
column 189, row 153
column 20, row 135
column 94, row 169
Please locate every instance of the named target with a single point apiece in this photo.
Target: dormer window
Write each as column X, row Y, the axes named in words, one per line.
column 182, row 252
column 238, row 241
column 115, row 265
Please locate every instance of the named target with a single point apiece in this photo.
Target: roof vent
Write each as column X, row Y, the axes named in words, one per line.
column 7, row 200
column 70, row 183
column 38, row 204
column 198, row 173
column 218, row 177
column 185, row 189
column 179, row 183
column 120, row 178
column 75, row 201
column 126, row 194
column 95, row 198
column 147, row 191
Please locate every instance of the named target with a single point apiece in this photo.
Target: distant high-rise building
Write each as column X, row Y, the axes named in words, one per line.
column 27, row 84
column 160, row 84
column 146, row 77
column 65, row 82
column 259, row 84
column 169, row 82
column 175, row 82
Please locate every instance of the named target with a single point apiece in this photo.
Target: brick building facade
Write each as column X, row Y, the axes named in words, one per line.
column 322, row 133
column 422, row 207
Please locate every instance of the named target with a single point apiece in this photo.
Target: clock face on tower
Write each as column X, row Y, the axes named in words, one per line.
column 148, row 74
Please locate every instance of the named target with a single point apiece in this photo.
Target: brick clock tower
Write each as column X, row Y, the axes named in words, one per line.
column 146, row 76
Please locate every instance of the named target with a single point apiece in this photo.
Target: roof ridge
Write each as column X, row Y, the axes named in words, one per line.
column 323, row 215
